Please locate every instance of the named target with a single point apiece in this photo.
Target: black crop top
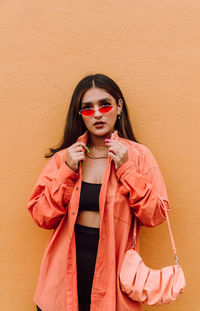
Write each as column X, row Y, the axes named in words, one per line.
column 89, row 197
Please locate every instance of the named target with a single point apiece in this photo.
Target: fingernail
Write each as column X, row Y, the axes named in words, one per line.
column 107, row 139
column 106, row 144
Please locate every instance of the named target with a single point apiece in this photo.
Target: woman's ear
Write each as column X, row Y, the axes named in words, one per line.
column 119, row 105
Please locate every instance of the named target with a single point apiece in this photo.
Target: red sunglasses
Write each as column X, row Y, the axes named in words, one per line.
column 88, row 112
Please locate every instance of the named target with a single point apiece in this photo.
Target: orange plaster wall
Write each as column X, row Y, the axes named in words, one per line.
column 152, row 50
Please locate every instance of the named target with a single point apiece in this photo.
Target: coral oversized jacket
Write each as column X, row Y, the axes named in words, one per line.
column 133, row 189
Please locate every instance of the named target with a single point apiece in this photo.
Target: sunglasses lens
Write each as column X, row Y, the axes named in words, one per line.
column 87, row 112
column 105, row 109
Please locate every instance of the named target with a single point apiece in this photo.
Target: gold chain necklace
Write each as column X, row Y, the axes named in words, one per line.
column 93, row 157
column 89, row 156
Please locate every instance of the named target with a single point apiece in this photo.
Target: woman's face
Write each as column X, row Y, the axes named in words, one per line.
column 95, row 98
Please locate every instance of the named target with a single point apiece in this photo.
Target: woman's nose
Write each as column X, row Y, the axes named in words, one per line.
column 97, row 113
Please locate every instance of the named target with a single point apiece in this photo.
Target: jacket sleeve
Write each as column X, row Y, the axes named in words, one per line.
column 48, row 200
column 145, row 190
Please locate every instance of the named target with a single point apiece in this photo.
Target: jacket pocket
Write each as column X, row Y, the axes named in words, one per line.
column 121, row 210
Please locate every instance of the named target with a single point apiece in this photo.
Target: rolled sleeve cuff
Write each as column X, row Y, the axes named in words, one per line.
column 124, row 169
column 66, row 173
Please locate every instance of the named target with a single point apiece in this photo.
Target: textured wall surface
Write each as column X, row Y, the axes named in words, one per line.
column 152, row 50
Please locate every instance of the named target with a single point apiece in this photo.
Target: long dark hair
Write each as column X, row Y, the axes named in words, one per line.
column 75, row 126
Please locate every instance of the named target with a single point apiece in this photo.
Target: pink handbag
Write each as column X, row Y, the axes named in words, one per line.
column 149, row 286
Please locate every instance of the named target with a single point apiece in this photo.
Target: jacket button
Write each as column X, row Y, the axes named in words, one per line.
column 76, row 188
column 73, row 179
column 73, row 213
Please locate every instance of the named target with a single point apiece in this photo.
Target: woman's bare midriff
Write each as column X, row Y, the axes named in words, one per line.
column 92, row 172
column 88, row 218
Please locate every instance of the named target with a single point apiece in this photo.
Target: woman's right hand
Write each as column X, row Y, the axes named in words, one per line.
column 75, row 153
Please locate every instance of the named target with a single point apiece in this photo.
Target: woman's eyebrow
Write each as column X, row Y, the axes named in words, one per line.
column 100, row 101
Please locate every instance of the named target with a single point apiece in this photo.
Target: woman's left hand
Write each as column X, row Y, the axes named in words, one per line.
column 117, row 151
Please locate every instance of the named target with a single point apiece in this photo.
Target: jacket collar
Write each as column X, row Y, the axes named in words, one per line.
column 84, row 137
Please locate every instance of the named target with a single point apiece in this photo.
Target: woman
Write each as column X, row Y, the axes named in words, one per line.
column 89, row 192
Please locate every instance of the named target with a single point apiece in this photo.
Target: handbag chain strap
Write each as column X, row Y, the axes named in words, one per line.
column 170, row 232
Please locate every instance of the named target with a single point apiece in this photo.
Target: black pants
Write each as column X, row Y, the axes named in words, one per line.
column 87, row 239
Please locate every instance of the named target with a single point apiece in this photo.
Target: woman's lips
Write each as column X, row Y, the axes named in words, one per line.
column 99, row 124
